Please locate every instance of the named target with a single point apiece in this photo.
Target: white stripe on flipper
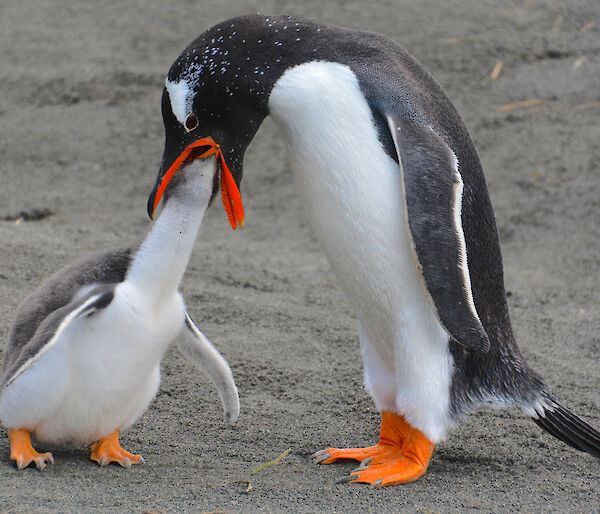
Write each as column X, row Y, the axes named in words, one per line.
column 392, row 130
column 67, row 320
column 462, row 245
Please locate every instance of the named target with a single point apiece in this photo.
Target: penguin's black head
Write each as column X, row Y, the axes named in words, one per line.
column 188, row 139
column 196, row 126
column 215, row 90
column 219, row 86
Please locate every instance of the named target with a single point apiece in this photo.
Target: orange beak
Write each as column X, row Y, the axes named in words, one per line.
column 230, row 194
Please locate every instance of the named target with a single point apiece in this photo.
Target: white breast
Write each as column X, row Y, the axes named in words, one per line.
column 100, row 375
column 351, row 191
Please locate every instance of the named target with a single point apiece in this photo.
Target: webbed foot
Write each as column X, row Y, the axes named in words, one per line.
column 23, row 453
column 108, row 450
column 401, row 455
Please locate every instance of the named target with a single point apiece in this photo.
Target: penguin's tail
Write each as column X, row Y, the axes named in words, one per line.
column 566, row 426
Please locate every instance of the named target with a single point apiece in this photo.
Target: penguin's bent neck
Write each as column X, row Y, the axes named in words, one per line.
column 162, row 258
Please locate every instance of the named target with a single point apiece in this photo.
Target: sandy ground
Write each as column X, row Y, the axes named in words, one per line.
column 80, row 142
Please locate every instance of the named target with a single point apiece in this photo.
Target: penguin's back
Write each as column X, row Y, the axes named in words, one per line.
column 103, row 267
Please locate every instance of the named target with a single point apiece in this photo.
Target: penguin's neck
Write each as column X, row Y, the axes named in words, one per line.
column 163, row 256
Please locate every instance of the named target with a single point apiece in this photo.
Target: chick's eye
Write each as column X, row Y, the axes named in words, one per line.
column 191, row 122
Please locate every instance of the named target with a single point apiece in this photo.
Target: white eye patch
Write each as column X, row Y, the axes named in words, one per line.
column 182, row 97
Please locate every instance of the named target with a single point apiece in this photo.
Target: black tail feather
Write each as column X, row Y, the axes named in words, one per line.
column 569, row 428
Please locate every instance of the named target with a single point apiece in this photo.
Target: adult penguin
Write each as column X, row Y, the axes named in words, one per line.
column 394, row 190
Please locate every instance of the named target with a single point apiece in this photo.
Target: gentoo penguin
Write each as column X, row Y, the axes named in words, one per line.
column 394, row 190
column 82, row 362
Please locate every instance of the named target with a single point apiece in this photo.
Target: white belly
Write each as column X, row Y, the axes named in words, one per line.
column 352, row 195
column 99, row 376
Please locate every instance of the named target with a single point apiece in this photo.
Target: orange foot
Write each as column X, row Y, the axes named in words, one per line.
column 23, row 453
column 108, row 450
column 401, row 455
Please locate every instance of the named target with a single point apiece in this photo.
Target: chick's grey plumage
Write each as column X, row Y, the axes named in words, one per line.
column 41, row 312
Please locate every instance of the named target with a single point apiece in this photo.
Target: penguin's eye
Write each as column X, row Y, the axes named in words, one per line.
column 191, row 122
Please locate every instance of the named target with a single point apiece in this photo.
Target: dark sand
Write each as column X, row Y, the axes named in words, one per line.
column 81, row 138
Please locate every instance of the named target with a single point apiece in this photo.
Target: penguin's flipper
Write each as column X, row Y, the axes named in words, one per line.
column 197, row 348
column 49, row 331
column 432, row 191
column 63, row 289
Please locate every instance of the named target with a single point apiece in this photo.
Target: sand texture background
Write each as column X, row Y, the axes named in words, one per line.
column 81, row 140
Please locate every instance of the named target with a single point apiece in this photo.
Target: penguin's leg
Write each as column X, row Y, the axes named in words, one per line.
column 401, row 455
column 403, row 452
column 381, row 385
column 380, row 382
column 379, row 370
column 23, row 453
column 108, row 450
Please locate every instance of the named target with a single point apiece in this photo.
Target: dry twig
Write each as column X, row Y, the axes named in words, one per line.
column 579, row 62
column 496, row 71
column 557, row 23
column 521, row 105
column 273, row 462
column 588, row 26
column 587, row 107
column 276, row 460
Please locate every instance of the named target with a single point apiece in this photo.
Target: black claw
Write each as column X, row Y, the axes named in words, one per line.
column 322, row 457
column 347, row 479
column 376, row 484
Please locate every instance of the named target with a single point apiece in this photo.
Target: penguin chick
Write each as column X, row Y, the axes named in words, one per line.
column 83, row 357
column 395, row 192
